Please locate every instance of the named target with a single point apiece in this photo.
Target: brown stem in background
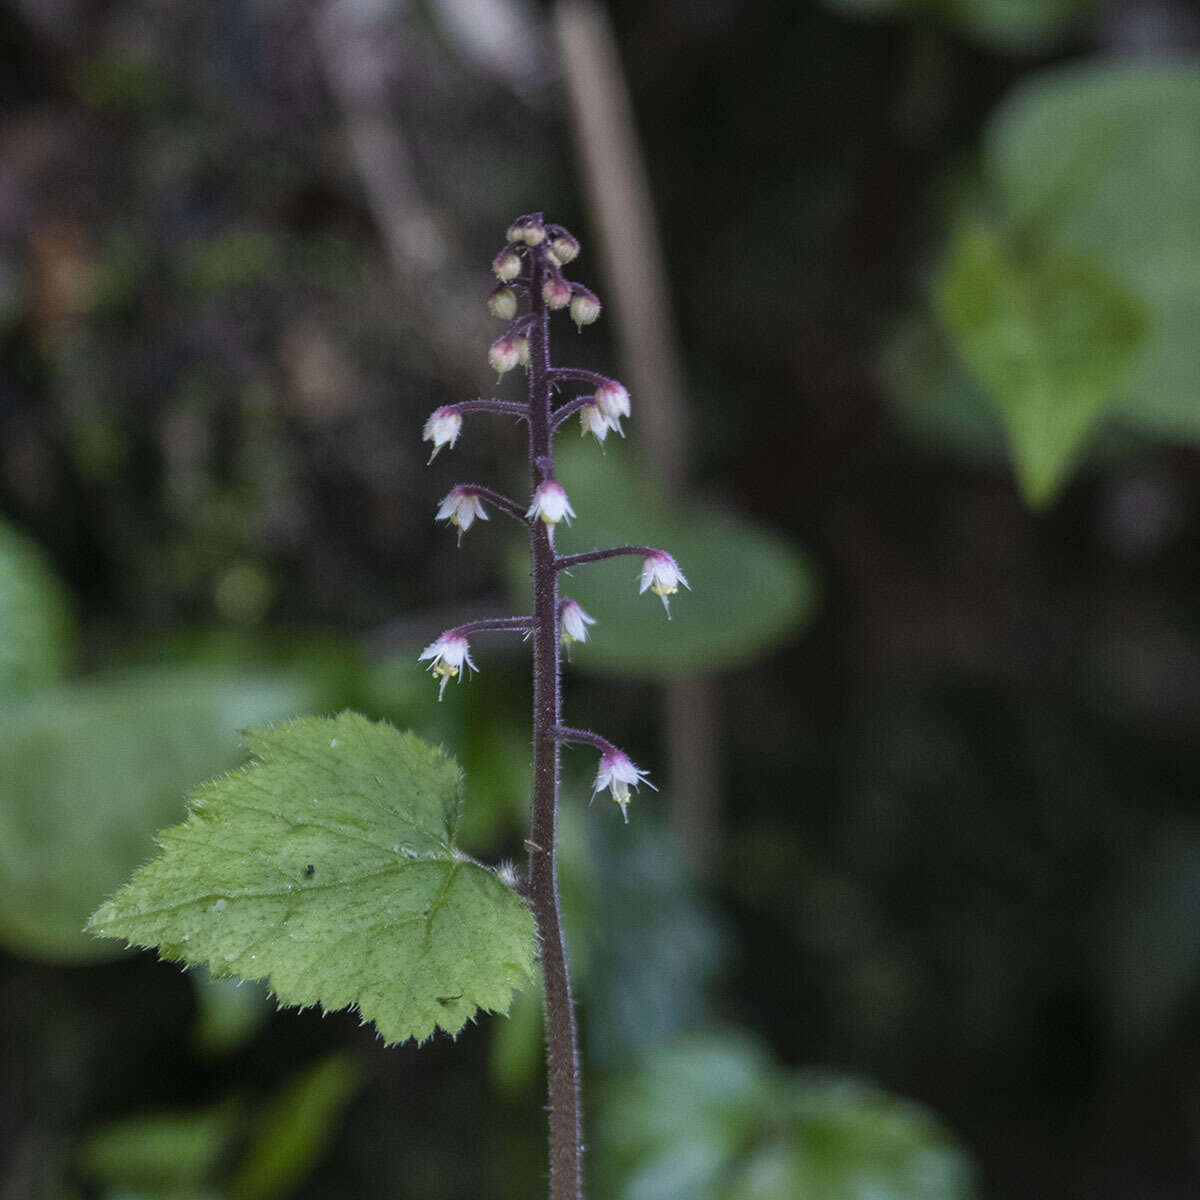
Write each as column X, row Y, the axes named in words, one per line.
column 616, row 183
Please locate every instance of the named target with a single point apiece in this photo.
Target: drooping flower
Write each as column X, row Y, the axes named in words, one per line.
column 461, row 507
column 502, row 303
column 661, row 574
column 550, row 503
column 585, row 307
column 503, row 355
column 593, row 421
column 619, row 774
column 573, row 622
column 506, row 265
column 556, row 292
column 613, row 401
column 449, row 654
column 442, row 428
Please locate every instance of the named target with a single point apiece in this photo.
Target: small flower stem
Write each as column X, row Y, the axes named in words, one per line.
column 507, row 407
column 494, row 625
column 572, row 406
column 510, row 508
column 567, row 561
column 578, row 375
column 565, row 733
column 562, row 1053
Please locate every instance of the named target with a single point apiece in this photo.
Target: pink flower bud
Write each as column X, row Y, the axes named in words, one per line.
column 585, row 308
column 557, row 292
column 442, row 428
column 550, row 503
column 613, row 400
column 533, row 233
column 502, row 303
column 503, row 355
column 564, row 249
column 506, row 266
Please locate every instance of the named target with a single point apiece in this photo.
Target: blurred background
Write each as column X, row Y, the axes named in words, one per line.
column 906, row 293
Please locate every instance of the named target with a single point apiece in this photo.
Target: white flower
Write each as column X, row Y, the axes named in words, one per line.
column 450, row 653
column 613, row 401
column 573, row 622
column 442, row 428
column 593, row 421
column 618, row 773
column 461, row 507
column 550, row 503
column 661, row 574
column 503, row 355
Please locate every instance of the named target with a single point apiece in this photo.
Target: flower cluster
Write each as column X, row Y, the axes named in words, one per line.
column 530, row 287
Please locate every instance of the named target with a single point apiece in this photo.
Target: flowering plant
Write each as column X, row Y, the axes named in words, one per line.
column 329, row 865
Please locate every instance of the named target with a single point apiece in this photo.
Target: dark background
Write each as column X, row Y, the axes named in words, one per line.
column 955, row 846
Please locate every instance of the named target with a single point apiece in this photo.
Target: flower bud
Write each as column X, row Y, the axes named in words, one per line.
column 522, row 345
column 516, row 231
column 503, row 355
column 506, row 266
column 533, row 233
column 442, row 428
column 613, row 400
column 585, row 308
column 564, row 249
column 557, row 292
column 502, row 303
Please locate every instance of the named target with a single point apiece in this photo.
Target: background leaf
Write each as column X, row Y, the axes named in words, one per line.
column 329, row 866
column 37, row 631
column 89, row 770
column 1050, row 336
column 750, row 589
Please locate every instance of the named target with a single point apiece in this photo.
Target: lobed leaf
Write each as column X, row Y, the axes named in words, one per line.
column 329, row 867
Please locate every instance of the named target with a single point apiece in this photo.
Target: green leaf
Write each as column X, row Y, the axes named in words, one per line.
column 709, row 1117
column 297, row 1130
column 36, row 627
column 166, row 1154
column 89, row 770
column 1050, row 337
column 329, row 866
column 1101, row 160
column 750, row 590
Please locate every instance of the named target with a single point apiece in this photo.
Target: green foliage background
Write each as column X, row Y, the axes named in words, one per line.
column 937, row 282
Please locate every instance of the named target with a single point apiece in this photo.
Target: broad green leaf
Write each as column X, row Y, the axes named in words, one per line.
column 1102, row 161
column 165, row 1154
column 750, row 589
column 709, row 1117
column 1049, row 336
column 90, row 769
column 297, row 1130
column 36, row 627
column 329, row 867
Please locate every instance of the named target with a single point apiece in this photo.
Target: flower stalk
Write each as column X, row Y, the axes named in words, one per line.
column 530, row 266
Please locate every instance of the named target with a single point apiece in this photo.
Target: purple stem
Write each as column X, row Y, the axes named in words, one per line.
column 567, row 561
column 562, row 1053
column 565, row 733
column 494, row 625
column 502, row 502
column 578, row 375
column 572, row 406
column 509, row 408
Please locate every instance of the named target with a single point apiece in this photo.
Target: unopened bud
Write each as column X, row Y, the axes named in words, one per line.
column 506, row 266
column 564, row 249
column 585, row 308
column 503, row 355
column 522, row 345
column 533, row 234
column 557, row 292
column 502, row 303
column 515, row 232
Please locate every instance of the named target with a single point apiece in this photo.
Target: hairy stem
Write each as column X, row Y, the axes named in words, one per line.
column 562, row 1054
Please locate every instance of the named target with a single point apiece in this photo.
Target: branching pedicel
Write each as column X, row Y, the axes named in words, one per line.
column 530, row 267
